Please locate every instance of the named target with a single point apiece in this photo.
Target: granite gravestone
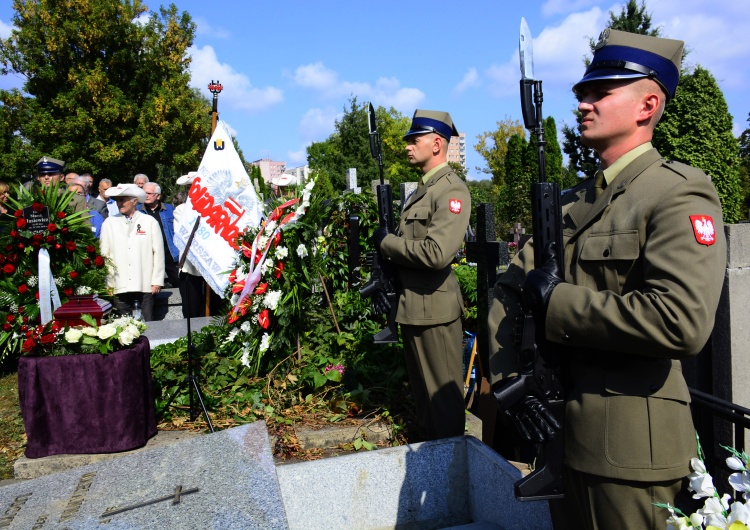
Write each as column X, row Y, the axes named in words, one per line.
column 221, row 480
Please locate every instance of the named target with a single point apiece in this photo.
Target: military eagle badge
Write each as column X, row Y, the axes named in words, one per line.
column 455, row 206
column 703, row 228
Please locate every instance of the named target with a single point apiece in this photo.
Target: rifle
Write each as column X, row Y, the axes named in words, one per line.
column 540, row 373
column 382, row 284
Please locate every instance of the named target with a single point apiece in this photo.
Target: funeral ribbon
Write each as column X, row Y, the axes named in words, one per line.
column 253, row 277
column 49, row 298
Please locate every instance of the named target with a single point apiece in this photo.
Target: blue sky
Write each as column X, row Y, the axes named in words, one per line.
column 289, row 67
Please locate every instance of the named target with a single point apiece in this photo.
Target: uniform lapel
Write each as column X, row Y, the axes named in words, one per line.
column 584, row 212
column 422, row 190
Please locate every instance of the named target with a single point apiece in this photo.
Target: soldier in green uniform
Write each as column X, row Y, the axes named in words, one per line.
column 433, row 224
column 645, row 257
column 49, row 172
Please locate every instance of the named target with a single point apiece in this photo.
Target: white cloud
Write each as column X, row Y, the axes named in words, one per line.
column 558, row 7
column 470, row 80
column 386, row 91
column 297, row 158
column 558, row 54
column 242, row 95
column 205, row 29
column 5, row 30
column 317, row 124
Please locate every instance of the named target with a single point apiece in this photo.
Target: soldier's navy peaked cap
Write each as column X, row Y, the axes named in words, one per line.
column 623, row 55
column 429, row 121
column 47, row 164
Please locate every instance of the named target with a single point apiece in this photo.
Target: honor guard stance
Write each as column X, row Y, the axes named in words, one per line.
column 431, row 231
column 644, row 262
column 49, row 172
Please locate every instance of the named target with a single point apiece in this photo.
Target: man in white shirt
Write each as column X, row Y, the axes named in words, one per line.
column 133, row 243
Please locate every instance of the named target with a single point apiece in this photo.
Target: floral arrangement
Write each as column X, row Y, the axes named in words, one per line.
column 718, row 512
column 53, row 339
column 76, row 264
column 273, row 266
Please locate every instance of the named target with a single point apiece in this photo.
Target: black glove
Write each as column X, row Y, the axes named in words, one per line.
column 378, row 237
column 534, row 421
column 540, row 282
column 380, row 303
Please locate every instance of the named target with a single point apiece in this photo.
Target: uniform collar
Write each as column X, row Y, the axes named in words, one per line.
column 610, row 174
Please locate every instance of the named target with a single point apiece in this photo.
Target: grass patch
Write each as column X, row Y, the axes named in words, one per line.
column 12, row 434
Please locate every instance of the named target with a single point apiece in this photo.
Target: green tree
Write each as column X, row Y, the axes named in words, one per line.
column 493, row 146
column 104, row 91
column 632, row 18
column 745, row 165
column 697, row 129
column 483, row 191
column 349, row 147
column 515, row 195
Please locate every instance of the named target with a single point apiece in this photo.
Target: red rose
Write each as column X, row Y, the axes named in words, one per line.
column 37, row 207
column 278, row 270
column 26, row 319
column 14, row 234
column 65, row 230
column 21, row 246
column 50, row 239
column 262, row 288
column 49, row 338
column 68, row 291
column 52, row 227
column 24, row 328
column 10, row 318
column 90, row 249
column 7, row 327
column 37, row 237
column 9, row 268
column 13, row 258
column 263, row 319
column 61, row 215
column 26, row 274
column 23, row 288
column 86, row 261
column 99, row 261
column 73, row 275
column 21, row 309
column 21, row 222
column 71, row 245
column 58, row 246
column 28, row 344
column 8, row 247
column 18, row 213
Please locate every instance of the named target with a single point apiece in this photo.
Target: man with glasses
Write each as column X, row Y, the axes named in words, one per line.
column 134, row 245
column 164, row 215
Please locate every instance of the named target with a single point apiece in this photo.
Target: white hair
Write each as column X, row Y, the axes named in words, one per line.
column 140, row 175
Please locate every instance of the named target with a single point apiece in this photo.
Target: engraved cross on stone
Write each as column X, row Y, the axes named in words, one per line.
column 175, row 498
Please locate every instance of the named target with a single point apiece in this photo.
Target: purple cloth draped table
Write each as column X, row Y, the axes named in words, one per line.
column 87, row 404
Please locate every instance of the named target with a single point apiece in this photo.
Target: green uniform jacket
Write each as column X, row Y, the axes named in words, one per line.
column 642, row 291
column 432, row 228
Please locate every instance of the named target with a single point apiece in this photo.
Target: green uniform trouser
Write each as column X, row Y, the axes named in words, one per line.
column 435, row 364
column 599, row 503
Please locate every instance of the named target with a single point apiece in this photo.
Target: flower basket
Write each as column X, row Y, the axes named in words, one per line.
column 91, row 403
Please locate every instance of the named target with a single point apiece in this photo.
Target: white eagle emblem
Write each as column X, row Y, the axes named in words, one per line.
column 455, row 206
column 703, row 227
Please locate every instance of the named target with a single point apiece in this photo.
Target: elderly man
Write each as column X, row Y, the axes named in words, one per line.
column 134, row 245
column 92, row 201
column 96, row 220
column 140, row 180
column 104, row 185
column 625, row 308
column 433, row 224
column 163, row 213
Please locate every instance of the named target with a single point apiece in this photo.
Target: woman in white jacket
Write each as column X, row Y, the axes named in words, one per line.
column 133, row 244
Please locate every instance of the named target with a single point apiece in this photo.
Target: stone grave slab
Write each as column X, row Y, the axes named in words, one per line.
column 221, row 480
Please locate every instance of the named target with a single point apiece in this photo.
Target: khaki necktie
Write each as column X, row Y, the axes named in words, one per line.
column 599, row 183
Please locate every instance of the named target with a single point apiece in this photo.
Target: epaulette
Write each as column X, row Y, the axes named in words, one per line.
column 685, row 170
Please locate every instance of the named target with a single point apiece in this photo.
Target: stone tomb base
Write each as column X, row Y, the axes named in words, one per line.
column 228, row 480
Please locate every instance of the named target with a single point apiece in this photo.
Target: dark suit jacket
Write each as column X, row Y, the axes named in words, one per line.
column 98, row 206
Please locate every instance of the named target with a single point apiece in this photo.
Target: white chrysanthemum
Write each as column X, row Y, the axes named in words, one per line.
column 265, row 341
column 125, row 338
column 265, row 267
column 73, row 335
column 271, row 300
column 302, row 250
column 106, row 331
column 262, row 242
column 270, row 227
column 245, row 327
column 281, row 252
column 32, row 281
column 89, row 331
column 241, row 274
column 13, row 307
